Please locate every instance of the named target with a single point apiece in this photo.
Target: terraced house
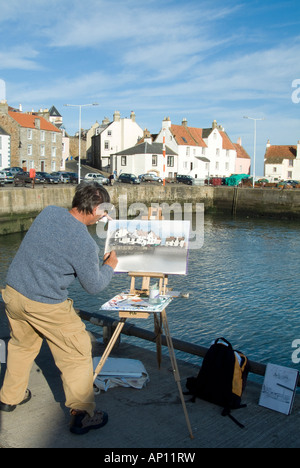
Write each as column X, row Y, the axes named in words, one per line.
column 282, row 162
column 35, row 142
column 202, row 152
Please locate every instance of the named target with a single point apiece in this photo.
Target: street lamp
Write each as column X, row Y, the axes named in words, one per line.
column 79, row 136
column 254, row 151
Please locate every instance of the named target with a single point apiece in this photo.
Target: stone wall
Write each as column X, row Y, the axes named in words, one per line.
column 19, row 206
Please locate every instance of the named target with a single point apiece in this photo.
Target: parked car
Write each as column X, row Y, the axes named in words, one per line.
column 129, row 179
column 13, row 170
column 8, row 177
column 96, row 177
column 185, row 179
column 63, row 176
column 2, row 178
column 293, row 183
column 24, row 178
column 73, row 177
column 50, row 179
column 151, row 178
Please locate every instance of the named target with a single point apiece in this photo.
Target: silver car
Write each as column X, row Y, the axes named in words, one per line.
column 96, row 177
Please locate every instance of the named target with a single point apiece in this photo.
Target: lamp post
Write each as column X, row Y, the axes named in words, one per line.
column 79, row 135
column 254, row 150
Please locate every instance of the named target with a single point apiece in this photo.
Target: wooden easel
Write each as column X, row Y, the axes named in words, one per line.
column 123, row 314
column 154, row 213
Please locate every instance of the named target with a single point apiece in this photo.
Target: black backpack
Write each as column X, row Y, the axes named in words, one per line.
column 222, row 378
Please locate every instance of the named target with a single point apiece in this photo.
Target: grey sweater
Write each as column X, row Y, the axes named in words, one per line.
column 55, row 250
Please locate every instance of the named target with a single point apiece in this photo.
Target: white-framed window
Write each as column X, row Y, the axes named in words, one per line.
column 29, row 134
column 106, row 145
column 53, row 137
column 53, row 166
column 109, row 133
column 42, row 135
column 170, row 161
column 29, row 150
column 218, row 152
column 154, row 160
column 42, row 150
column 53, row 151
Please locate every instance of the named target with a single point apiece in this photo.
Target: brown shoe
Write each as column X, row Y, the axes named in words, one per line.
column 81, row 422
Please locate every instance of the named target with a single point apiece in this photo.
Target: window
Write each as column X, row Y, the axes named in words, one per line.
column 226, row 166
column 154, row 159
column 274, row 170
column 291, row 163
column 106, row 145
column 42, row 135
column 29, row 134
column 29, row 150
column 123, row 161
column 170, row 161
column 53, row 152
column 53, row 137
column 0, row 142
column 188, row 151
column 109, row 132
column 42, row 152
column 53, row 166
column 290, row 174
column 217, row 166
column 218, row 152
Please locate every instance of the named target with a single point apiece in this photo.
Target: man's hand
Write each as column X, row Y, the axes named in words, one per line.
column 110, row 259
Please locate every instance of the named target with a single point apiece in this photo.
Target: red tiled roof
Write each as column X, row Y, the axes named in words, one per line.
column 196, row 133
column 281, row 152
column 191, row 136
column 241, row 152
column 28, row 121
column 182, row 136
column 227, row 144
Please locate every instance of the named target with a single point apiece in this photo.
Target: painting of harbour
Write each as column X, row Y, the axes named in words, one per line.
column 149, row 246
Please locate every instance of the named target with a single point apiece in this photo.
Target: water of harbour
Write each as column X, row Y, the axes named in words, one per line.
column 244, row 284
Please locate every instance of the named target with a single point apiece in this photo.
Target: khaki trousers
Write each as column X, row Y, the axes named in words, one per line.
column 70, row 344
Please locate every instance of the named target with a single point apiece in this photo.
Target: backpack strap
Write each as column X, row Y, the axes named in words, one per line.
column 226, row 412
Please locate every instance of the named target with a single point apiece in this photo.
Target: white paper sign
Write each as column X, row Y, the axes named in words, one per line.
column 279, row 388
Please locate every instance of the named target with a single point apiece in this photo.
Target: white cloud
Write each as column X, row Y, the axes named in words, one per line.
column 19, row 57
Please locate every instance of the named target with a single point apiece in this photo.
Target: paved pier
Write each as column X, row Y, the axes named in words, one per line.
column 149, row 418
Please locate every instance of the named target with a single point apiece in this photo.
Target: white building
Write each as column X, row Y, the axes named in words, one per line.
column 4, row 149
column 146, row 157
column 113, row 137
column 202, row 153
column 282, row 162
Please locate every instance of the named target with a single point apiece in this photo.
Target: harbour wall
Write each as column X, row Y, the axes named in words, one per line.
column 19, row 206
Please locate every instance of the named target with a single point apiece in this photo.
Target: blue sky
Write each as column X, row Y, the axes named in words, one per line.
column 199, row 60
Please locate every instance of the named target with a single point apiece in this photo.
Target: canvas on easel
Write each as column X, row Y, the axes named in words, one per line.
column 149, row 245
